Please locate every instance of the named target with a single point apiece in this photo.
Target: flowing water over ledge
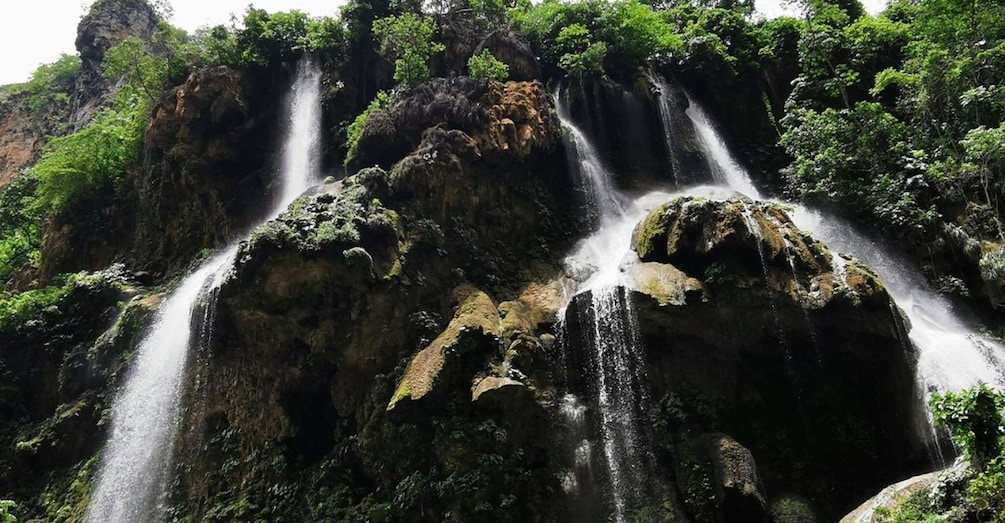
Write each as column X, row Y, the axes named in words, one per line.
column 951, row 355
column 132, row 482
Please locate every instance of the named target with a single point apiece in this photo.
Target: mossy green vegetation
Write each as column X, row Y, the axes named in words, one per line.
column 487, row 67
column 92, row 160
column 974, row 420
column 50, row 84
column 355, row 129
column 20, row 227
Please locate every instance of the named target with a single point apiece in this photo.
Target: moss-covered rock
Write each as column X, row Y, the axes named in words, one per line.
column 804, row 357
column 476, row 327
column 719, row 480
column 62, row 351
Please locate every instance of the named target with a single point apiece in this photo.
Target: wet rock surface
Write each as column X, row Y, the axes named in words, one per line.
column 754, row 329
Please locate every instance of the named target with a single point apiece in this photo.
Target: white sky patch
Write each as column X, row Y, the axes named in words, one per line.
column 34, row 32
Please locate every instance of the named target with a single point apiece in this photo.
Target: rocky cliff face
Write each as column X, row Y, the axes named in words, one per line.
column 206, row 173
column 754, row 329
column 337, row 344
column 398, row 344
column 107, row 24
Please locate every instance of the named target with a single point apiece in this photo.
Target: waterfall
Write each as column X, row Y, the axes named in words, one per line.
column 614, row 358
column 951, row 354
column 135, row 471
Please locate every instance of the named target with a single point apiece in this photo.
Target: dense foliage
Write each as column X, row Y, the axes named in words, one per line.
column 407, row 41
column 896, row 119
column 91, row 160
column 975, row 419
column 487, row 67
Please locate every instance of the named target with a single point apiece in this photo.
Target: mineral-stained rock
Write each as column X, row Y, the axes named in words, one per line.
column 720, row 482
column 503, row 122
column 751, row 328
column 475, row 328
column 204, row 175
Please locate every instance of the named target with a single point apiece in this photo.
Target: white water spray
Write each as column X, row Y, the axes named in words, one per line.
column 135, row 471
column 615, row 354
column 725, row 169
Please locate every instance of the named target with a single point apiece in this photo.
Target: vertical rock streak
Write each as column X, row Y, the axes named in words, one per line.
column 136, row 468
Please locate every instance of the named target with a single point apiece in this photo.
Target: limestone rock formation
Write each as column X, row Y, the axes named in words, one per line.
column 107, row 24
column 754, row 329
column 206, row 168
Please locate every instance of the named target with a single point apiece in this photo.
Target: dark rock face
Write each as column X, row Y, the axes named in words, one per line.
column 108, row 23
column 338, row 347
column 802, row 358
column 205, row 174
column 513, row 50
column 58, row 371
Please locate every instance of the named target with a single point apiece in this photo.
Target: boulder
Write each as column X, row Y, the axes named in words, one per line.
column 475, row 328
column 720, row 482
column 754, row 329
column 512, row 49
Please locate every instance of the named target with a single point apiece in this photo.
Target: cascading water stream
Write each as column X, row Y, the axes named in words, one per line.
column 615, row 357
column 131, row 484
column 951, row 354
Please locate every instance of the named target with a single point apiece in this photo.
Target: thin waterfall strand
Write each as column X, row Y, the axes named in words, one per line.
column 132, row 482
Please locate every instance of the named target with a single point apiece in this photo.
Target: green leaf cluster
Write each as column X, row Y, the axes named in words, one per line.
column 82, row 164
column 6, row 506
column 20, row 234
column 407, row 41
column 592, row 36
column 286, row 36
column 974, row 421
column 487, row 67
column 355, row 129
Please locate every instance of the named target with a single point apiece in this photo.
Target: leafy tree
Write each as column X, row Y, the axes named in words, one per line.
column 283, row 36
column 407, row 41
column 131, row 60
column 486, row 66
column 974, row 421
column 582, row 56
column 20, row 234
column 5, row 507
column 77, row 166
column 585, row 37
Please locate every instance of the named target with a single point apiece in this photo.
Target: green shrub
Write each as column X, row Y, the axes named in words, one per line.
column 355, row 129
column 20, row 234
column 974, row 421
column 77, row 166
column 487, row 67
column 986, row 492
column 407, row 41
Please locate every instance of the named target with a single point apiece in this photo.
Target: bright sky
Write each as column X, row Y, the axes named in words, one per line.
column 34, row 32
